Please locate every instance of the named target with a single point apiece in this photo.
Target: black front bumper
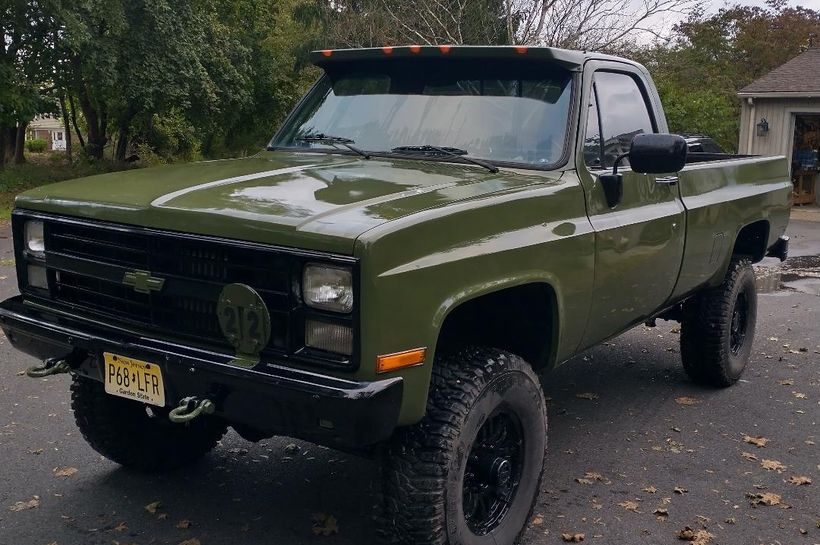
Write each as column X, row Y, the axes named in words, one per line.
column 268, row 400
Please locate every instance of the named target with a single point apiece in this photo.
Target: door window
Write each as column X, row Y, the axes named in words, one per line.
column 623, row 113
column 593, row 148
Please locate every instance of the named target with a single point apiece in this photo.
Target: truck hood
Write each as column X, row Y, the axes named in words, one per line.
column 304, row 200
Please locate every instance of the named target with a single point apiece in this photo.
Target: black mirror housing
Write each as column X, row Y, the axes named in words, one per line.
column 657, row 153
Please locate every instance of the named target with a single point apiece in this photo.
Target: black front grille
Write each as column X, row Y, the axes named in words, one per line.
column 87, row 264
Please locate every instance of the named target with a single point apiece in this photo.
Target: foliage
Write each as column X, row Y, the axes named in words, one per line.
column 710, row 58
column 36, row 146
column 41, row 170
column 578, row 24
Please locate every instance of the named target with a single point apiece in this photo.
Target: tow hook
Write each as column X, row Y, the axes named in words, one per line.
column 52, row 366
column 190, row 408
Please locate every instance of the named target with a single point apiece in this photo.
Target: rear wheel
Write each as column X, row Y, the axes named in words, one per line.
column 469, row 472
column 136, row 435
column 718, row 328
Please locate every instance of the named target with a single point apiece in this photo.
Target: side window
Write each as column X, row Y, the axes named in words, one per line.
column 623, row 111
column 592, row 136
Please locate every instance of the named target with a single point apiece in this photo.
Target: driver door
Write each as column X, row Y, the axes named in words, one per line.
column 639, row 242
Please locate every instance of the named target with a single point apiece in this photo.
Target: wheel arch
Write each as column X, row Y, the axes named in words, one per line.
column 522, row 317
column 752, row 240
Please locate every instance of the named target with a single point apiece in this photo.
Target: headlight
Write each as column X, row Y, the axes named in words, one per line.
column 330, row 337
column 328, row 288
column 37, row 277
column 35, row 241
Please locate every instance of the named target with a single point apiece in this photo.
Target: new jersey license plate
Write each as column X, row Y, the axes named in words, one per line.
column 134, row 379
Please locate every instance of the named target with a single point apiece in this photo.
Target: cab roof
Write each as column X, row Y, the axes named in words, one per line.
column 570, row 59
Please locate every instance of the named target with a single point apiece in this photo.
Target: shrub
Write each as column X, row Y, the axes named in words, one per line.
column 36, row 146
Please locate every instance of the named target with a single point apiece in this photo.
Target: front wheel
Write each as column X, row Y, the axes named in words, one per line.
column 135, row 435
column 469, row 473
column 719, row 326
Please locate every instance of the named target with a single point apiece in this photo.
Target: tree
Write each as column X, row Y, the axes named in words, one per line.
column 723, row 53
column 580, row 24
column 25, row 67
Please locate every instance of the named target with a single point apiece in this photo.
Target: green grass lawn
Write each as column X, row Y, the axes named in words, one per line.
column 41, row 169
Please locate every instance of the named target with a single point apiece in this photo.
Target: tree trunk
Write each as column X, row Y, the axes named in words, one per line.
column 74, row 121
column 3, row 145
column 20, row 144
column 67, row 128
column 97, row 124
column 123, row 124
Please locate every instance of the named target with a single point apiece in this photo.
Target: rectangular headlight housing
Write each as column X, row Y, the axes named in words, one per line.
column 328, row 288
column 330, row 337
column 34, row 239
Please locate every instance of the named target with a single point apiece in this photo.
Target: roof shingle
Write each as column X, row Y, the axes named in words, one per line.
column 799, row 75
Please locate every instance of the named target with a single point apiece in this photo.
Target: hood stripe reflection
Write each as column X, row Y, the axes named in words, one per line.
column 159, row 201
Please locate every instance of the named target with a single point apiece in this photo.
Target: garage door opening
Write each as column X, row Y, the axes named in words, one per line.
column 805, row 158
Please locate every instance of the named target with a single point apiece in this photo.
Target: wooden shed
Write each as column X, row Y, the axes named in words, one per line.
column 781, row 116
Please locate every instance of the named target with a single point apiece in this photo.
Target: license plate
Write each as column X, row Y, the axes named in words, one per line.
column 134, row 379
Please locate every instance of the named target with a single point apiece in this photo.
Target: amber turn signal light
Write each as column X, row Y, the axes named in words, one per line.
column 400, row 360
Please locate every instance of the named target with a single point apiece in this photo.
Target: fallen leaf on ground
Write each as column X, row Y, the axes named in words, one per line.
column 758, row 441
column 184, row 524
column 772, row 465
column 153, row 506
column 799, row 479
column 121, row 527
column 538, row 520
column 798, row 395
column 572, row 538
column 587, row 395
column 698, row 537
column 629, row 505
column 650, row 489
column 766, row 498
column 680, row 490
column 686, row 401
column 749, row 456
column 33, row 503
column 192, row 541
column 662, row 512
column 64, row 471
column 582, row 481
column 787, row 382
column 324, row 525
column 162, row 516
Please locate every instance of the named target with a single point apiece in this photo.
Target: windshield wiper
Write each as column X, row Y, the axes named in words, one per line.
column 332, row 141
column 451, row 152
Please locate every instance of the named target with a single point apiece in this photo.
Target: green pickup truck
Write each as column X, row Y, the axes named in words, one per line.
column 431, row 230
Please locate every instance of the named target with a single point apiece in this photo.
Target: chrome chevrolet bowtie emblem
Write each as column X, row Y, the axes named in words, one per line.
column 142, row 281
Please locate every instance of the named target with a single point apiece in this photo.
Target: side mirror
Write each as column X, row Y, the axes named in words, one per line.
column 657, row 153
column 648, row 154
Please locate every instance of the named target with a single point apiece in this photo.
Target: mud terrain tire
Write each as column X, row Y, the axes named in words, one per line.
column 719, row 326
column 122, row 430
column 483, row 437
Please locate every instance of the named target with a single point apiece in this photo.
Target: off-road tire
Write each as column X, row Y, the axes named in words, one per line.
column 424, row 465
column 711, row 354
column 122, row 430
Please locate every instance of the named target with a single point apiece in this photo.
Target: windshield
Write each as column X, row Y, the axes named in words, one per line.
column 516, row 113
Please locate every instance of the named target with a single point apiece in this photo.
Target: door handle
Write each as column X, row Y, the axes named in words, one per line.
column 666, row 180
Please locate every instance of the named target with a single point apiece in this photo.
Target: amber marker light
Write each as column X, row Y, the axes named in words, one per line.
column 415, row 48
column 387, row 50
column 444, row 49
column 521, row 50
column 400, row 360
column 327, row 52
